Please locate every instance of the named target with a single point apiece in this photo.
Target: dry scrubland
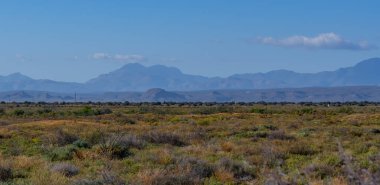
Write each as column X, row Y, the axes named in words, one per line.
column 93, row 144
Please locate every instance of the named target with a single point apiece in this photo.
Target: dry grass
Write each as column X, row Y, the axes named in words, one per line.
column 283, row 144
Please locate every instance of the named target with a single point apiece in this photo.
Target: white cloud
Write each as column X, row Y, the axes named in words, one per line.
column 129, row 57
column 22, row 58
column 118, row 57
column 321, row 41
column 101, row 56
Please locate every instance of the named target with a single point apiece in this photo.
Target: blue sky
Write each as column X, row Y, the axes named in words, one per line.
column 75, row 40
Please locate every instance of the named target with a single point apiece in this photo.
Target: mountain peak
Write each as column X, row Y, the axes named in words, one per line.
column 133, row 65
column 154, row 69
column 18, row 76
column 369, row 62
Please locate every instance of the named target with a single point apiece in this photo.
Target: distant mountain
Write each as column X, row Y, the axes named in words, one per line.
column 136, row 77
column 364, row 73
column 18, row 81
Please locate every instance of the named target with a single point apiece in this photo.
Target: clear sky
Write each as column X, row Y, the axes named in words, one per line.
column 75, row 40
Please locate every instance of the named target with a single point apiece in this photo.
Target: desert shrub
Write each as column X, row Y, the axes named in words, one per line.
column 375, row 131
column 205, row 110
column 272, row 156
column 361, row 148
column 66, row 169
column 280, row 135
column 81, row 144
column 240, row 170
column 86, row 182
column 125, row 120
column 320, row 171
column 274, row 178
column 14, row 148
column 269, row 127
column 85, row 111
column 185, row 170
column 305, row 132
column 2, row 111
column 196, row 167
column 95, row 137
column 204, row 122
column 106, row 178
column 356, row 133
column 114, row 146
column 44, row 176
column 175, row 179
column 102, row 111
column 346, row 110
column 305, row 111
column 260, row 111
column 18, row 112
column 3, row 123
column 62, row 153
column 164, row 138
column 62, row 138
column 133, row 141
column 260, row 134
column 301, row 149
column 44, row 111
column 6, row 172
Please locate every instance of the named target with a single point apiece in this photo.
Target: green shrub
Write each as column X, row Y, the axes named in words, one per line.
column 85, row 111
column 81, row 144
column 269, row 127
column 260, row 111
column 62, row 153
column 18, row 112
column 125, row 120
column 204, row 122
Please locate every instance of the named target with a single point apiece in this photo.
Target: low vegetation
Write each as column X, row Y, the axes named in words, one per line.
column 189, row 143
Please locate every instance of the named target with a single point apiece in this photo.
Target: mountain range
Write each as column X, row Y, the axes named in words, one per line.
column 137, row 78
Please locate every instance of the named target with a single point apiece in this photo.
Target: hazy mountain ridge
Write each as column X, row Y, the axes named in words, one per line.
column 136, row 77
column 332, row 94
column 17, row 81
